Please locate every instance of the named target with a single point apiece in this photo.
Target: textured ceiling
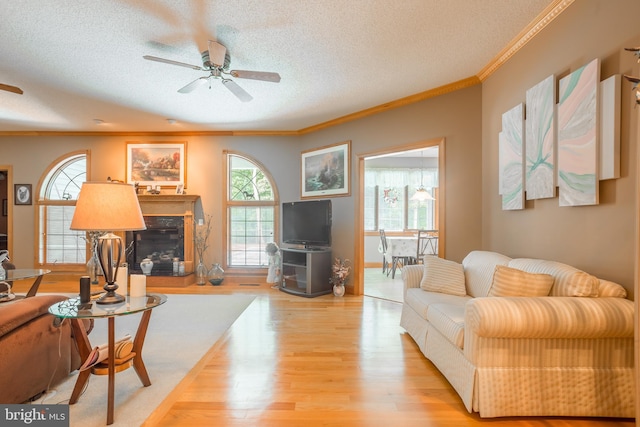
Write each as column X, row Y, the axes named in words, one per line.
column 80, row 60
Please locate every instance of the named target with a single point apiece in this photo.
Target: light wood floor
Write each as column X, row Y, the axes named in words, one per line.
column 325, row 361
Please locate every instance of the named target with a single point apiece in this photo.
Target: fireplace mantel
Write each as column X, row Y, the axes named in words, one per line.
column 182, row 205
column 168, row 204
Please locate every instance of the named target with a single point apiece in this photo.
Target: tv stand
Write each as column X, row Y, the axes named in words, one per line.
column 306, row 272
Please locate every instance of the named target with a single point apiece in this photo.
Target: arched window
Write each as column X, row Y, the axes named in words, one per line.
column 251, row 213
column 59, row 247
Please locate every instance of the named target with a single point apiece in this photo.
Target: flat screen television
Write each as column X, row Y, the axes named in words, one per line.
column 307, row 223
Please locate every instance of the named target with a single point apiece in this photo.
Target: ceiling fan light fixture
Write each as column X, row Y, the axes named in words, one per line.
column 217, row 61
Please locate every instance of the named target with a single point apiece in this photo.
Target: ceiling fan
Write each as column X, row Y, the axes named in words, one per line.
column 9, row 88
column 216, row 61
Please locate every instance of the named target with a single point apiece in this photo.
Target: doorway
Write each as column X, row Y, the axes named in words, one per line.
column 391, row 204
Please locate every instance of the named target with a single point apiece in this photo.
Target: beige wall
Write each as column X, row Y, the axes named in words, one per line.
column 455, row 117
column 598, row 239
column 434, row 118
column 31, row 156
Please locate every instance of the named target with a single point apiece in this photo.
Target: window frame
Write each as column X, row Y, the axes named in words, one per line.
column 228, row 204
column 40, row 237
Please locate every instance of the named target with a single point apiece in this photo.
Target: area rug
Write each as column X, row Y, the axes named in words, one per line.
column 180, row 333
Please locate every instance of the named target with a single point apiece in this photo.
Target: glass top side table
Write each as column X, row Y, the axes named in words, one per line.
column 76, row 311
column 27, row 273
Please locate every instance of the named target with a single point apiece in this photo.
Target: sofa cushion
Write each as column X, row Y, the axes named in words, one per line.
column 420, row 300
column 611, row 289
column 478, row 271
column 511, row 282
column 448, row 319
column 567, row 283
column 441, row 275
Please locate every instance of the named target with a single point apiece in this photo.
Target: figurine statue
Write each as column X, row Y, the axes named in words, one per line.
column 274, row 275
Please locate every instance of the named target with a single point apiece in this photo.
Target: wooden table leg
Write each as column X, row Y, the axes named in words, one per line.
column 84, row 348
column 138, row 342
column 112, row 370
column 34, row 288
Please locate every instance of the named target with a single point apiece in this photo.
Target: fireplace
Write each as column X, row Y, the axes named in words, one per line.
column 169, row 234
column 161, row 242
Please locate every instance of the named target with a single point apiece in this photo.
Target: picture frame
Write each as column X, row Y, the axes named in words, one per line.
column 180, row 188
column 22, row 194
column 156, row 163
column 326, row 171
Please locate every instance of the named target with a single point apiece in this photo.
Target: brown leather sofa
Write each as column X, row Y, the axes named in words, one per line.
column 37, row 350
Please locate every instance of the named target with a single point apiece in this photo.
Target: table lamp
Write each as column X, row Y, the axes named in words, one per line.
column 108, row 207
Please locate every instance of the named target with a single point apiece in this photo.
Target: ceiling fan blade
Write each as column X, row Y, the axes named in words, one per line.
column 9, row 88
column 194, row 85
column 168, row 61
column 237, row 90
column 256, row 75
column 217, row 53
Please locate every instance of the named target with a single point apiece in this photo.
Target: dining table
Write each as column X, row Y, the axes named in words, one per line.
column 400, row 248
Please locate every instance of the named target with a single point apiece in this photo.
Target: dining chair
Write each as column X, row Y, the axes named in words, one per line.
column 427, row 244
column 386, row 259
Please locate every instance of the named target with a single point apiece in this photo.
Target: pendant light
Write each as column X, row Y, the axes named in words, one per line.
column 421, row 193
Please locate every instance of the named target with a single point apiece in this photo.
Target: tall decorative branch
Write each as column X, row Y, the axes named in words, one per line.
column 201, row 236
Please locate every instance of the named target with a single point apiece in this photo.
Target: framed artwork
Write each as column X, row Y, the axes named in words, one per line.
column 180, row 188
column 22, row 194
column 157, row 163
column 326, row 171
column 511, row 159
column 578, row 143
column 540, row 141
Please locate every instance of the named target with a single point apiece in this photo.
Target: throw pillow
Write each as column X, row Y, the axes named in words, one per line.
column 511, row 282
column 611, row 289
column 581, row 284
column 444, row 276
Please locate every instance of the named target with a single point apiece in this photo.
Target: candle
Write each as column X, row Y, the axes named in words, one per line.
column 122, row 276
column 138, row 285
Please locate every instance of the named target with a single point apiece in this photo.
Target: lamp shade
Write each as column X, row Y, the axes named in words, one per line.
column 422, row 195
column 107, row 206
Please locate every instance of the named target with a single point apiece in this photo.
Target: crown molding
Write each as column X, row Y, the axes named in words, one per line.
column 432, row 93
column 545, row 17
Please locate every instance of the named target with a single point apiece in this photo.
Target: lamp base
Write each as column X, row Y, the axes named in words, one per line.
column 110, row 297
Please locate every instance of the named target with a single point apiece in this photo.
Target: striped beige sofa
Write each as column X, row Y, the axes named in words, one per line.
column 508, row 352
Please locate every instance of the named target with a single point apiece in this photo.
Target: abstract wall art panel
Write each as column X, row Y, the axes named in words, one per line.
column 577, row 136
column 610, row 128
column 511, row 158
column 540, row 140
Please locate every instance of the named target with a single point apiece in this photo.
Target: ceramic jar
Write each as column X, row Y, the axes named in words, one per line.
column 146, row 265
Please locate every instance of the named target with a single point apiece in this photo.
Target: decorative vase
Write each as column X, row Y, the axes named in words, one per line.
column 201, row 274
column 216, row 275
column 93, row 269
column 146, row 265
column 338, row 290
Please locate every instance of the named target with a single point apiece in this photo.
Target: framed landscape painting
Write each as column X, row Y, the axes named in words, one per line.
column 325, row 171
column 156, row 163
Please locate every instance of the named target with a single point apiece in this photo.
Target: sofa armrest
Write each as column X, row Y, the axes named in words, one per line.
column 412, row 276
column 549, row 317
column 17, row 313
